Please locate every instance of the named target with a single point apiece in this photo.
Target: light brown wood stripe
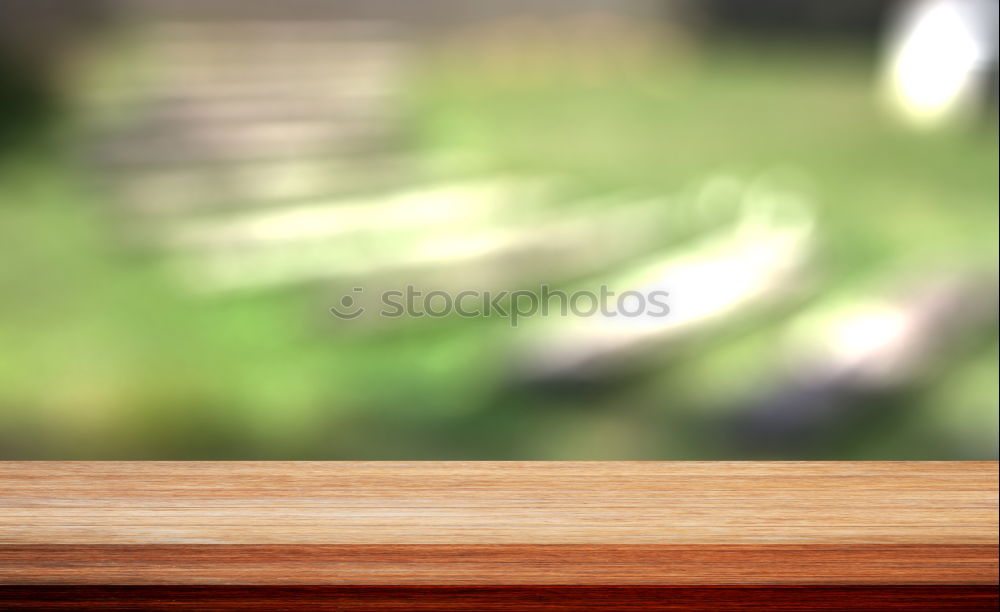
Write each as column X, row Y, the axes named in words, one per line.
column 499, row 523
column 556, row 564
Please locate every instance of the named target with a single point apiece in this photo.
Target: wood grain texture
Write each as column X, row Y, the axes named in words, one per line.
column 487, row 524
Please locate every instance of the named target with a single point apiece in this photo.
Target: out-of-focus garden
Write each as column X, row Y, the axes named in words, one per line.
column 184, row 196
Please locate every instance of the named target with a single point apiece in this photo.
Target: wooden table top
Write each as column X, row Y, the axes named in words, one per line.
column 475, row 525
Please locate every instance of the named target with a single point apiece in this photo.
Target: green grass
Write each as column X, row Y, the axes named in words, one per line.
column 105, row 357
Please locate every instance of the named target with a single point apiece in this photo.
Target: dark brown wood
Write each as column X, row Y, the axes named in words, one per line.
column 963, row 598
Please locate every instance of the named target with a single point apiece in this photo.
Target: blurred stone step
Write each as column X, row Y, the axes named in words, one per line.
column 169, row 190
column 158, row 144
column 190, row 29
column 324, row 82
column 844, row 355
column 231, row 90
column 483, row 231
column 757, row 257
column 241, row 109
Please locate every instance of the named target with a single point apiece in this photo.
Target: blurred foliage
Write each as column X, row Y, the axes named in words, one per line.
column 105, row 357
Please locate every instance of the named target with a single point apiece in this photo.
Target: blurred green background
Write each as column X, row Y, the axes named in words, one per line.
column 106, row 355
